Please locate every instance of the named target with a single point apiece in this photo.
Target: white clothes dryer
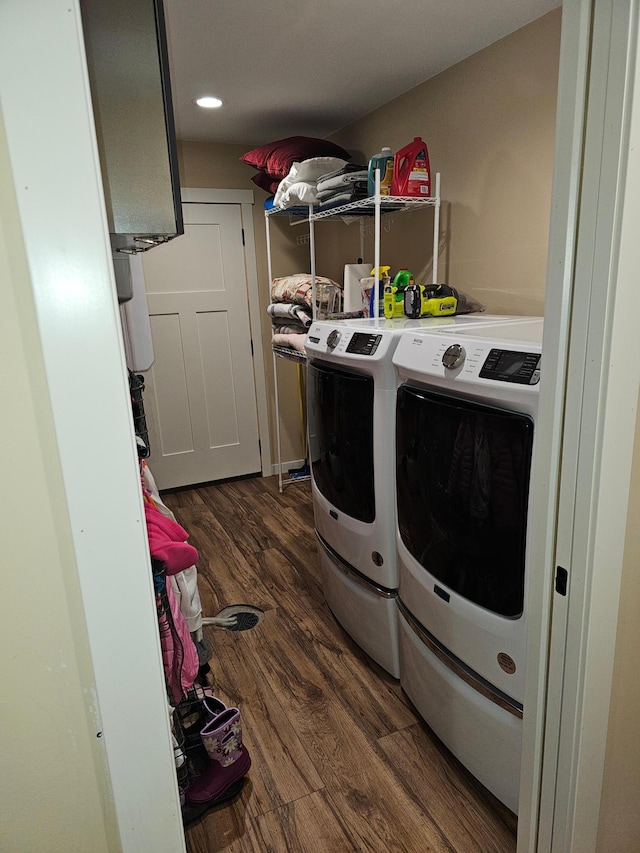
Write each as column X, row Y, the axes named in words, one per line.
column 466, row 409
column 351, row 417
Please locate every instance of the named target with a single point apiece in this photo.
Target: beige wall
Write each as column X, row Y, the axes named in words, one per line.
column 619, row 826
column 489, row 124
column 54, row 777
column 207, row 165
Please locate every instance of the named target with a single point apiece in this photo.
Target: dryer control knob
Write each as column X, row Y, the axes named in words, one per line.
column 454, row 356
column 333, row 338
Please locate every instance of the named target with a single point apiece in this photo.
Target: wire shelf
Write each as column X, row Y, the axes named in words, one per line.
column 290, row 354
column 367, row 206
column 361, row 207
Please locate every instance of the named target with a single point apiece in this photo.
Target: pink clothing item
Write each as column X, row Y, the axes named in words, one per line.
column 167, row 525
column 179, row 654
column 185, row 584
column 167, row 541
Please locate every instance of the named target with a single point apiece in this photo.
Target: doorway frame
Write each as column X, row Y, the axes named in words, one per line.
column 587, row 420
column 46, row 55
column 246, row 200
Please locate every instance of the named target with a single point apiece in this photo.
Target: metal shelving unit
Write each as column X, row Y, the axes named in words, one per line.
column 298, row 358
column 374, row 206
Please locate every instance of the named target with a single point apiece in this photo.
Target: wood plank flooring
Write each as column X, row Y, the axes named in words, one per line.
column 342, row 762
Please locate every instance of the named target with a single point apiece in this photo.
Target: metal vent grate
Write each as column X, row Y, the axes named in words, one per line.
column 244, row 617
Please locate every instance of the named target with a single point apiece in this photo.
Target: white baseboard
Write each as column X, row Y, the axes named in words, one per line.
column 296, row 463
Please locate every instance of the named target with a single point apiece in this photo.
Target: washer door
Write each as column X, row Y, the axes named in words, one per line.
column 341, row 439
column 462, row 484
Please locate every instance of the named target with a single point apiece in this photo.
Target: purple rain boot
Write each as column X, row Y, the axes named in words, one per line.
column 229, row 760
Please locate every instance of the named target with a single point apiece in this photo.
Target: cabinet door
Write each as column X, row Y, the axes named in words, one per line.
column 201, row 399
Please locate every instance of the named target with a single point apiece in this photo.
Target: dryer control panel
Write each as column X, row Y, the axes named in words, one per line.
column 363, row 344
column 505, row 365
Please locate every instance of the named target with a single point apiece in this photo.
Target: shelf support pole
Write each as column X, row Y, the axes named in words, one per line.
column 436, row 229
column 267, row 226
column 376, row 255
column 312, row 251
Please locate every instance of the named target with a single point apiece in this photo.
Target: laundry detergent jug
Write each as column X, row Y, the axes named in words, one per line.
column 384, row 162
column 411, row 170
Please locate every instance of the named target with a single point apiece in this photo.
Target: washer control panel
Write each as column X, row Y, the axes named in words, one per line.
column 456, row 360
column 511, row 366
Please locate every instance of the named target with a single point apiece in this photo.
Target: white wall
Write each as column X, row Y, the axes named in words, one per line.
column 55, row 788
column 58, row 223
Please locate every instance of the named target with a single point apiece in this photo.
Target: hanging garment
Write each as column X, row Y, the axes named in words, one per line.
column 185, row 583
column 167, row 541
column 179, row 654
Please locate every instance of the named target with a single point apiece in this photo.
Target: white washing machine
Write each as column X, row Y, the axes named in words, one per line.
column 466, row 409
column 351, row 415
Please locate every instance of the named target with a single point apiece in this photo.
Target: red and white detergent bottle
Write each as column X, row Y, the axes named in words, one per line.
column 411, row 170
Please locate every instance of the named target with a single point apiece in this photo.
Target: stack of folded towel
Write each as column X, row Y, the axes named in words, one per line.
column 323, row 182
column 287, row 318
column 291, row 309
column 343, row 186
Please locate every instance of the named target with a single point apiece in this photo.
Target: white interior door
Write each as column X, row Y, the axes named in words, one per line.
column 200, row 397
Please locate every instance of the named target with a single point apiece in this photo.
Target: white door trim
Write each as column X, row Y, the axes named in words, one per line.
column 245, row 199
column 583, row 470
column 255, row 319
column 574, row 60
column 604, row 364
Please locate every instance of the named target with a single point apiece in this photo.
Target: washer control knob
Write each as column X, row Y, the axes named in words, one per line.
column 454, row 356
column 332, row 339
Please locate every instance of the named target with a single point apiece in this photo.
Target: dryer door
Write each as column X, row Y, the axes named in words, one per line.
column 341, row 438
column 462, row 483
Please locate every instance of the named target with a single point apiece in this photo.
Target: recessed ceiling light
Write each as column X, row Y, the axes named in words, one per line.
column 209, row 102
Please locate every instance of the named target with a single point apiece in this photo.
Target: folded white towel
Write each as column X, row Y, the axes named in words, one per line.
column 289, row 309
column 340, row 180
column 288, row 327
column 294, row 341
column 358, row 189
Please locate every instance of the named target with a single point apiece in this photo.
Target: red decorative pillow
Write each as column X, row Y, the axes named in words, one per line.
column 276, row 158
column 266, row 182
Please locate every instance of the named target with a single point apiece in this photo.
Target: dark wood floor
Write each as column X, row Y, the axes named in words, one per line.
column 341, row 760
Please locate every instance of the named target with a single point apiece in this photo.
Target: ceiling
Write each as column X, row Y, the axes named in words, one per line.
column 299, row 67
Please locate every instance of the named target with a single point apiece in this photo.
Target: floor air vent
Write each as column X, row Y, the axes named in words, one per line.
column 237, row 617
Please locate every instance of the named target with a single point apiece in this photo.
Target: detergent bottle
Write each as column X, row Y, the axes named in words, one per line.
column 411, row 170
column 384, row 162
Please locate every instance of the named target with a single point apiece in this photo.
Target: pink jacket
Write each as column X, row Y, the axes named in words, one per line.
column 168, row 541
